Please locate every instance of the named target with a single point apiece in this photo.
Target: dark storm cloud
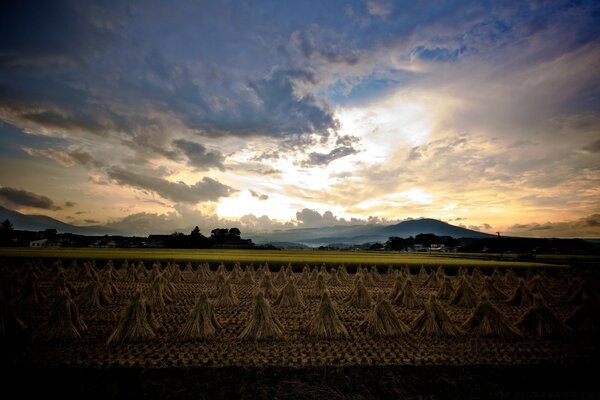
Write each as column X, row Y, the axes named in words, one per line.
column 593, row 147
column 12, row 197
column 62, row 31
column 205, row 190
column 259, row 196
column 67, row 158
column 588, row 226
column 198, row 156
column 323, row 159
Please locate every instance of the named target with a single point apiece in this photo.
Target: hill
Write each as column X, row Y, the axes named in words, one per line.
column 27, row 222
column 357, row 234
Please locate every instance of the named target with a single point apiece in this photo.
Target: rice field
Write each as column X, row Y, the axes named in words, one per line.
column 274, row 257
column 160, row 315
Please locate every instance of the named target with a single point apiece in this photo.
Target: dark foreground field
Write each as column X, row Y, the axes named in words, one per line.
column 541, row 343
column 539, row 381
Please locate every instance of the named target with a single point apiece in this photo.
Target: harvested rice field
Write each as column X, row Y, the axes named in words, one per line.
column 104, row 316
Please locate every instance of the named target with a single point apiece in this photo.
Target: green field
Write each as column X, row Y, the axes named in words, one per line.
column 273, row 257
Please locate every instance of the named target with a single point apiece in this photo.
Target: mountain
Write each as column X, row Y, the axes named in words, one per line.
column 350, row 235
column 41, row 222
column 357, row 234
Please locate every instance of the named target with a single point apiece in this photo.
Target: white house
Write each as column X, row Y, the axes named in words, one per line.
column 39, row 243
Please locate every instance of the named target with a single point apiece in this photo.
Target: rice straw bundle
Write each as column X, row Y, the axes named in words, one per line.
column 539, row 320
column 262, row 325
column 201, row 322
column 134, row 323
column 325, row 323
column 434, row 321
column 382, row 320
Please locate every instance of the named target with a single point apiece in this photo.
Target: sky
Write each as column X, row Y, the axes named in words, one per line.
column 156, row 116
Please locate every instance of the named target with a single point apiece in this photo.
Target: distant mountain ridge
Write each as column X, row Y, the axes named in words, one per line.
column 357, row 234
column 300, row 237
column 36, row 223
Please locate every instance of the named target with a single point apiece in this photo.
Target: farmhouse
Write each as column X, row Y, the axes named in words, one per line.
column 44, row 243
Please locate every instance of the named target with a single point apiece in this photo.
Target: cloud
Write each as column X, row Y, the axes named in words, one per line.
column 259, row 196
column 21, row 198
column 91, row 221
column 205, row 190
column 69, row 204
column 379, row 8
column 322, row 159
column 587, row 227
column 308, row 218
column 198, row 156
column 66, row 158
column 593, row 147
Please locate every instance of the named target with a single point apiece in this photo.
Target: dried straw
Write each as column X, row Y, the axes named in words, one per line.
column 226, row 295
column 64, row 322
column 382, row 320
column 408, row 296
column 490, row 290
column 487, row 320
column 201, row 322
column 585, row 318
column 288, row 297
column 266, row 285
column 359, row 297
column 446, row 289
column 262, row 325
column 522, row 296
column 325, row 323
column 434, row 321
column 464, row 295
column 134, row 323
column 539, row 320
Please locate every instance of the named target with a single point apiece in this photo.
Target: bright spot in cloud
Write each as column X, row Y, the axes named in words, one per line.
column 383, row 126
column 276, row 206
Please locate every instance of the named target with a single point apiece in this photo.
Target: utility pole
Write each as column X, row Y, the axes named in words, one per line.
column 500, row 245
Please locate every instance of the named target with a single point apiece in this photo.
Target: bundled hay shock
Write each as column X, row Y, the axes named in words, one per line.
column 135, row 322
column 266, row 285
column 64, row 322
column 280, row 278
column 408, row 296
column 538, row 287
column 433, row 281
column 585, row 318
column 319, row 286
column 464, row 295
column 262, row 325
column 201, row 322
column 94, row 295
column 226, row 295
column 359, row 297
column 398, row 284
column 382, row 320
column 325, row 323
column 31, row 292
column 334, row 279
column 539, row 320
column 487, row 320
column 434, row 321
column 11, row 326
column 490, row 290
column 305, row 277
column 248, row 276
column 289, row 297
column 446, row 289
column 522, row 296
